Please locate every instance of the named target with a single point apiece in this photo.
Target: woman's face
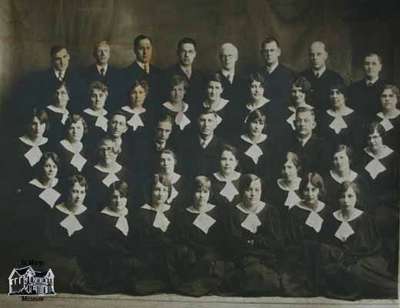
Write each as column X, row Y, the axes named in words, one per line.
column 77, row 194
column 159, row 194
column 298, row 96
column 310, row 193
column 61, row 97
column 177, row 93
column 201, row 197
column 341, row 161
column 375, row 141
column 349, row 199
column 50, row 169
column 214, row 90
column 252, row 195
column 228, row 162
column 98, row 99
column 256, row 90
column 337, row 98
column 167, row 163
column 107, row 152
column 118, row 201
column 289, row 170
column 137, row 96
column 75, row 132
column 256, row 127
column 388, row 100
column 36, row 128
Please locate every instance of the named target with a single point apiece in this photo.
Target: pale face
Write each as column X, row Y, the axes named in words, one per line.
column 50, row 169
column 167, row 163
column 117, row 126
column 61, row 97
column 252, row 195
column 163, row 131
column 341, row 161
column 117, row 201
column 61, row 60
column 107, row 152
column 102, row 54
column 289, row 170
column 97, row 99
column 256, row 90
column 228, row 57
column 144, row 51
column 187, row 54
column 388, row 100
column 349, row 199
column 256, row 127
column 317, row 55
column 77, row 194
column 137, row 96
column 375, row 141
column 201, row 197
column 159, row 194
column 372, row 66
column 298, row 96
column 177, row 93
column 228, row 163
column 75, row 132
column 337, row 99
column 305, row 123
column 36, row 128
column 271, row 53
column 207, row 124
column 311, row 193
column 214, row 90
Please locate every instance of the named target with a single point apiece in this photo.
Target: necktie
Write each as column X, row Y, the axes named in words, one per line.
column 102, row 72
column 146, row 68
column 60, row 76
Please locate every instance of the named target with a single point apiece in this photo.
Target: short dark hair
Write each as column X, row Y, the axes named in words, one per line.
column 229, row 148
column 376, row 127
column 303, row 83
column 41, row 115
column 256, row 77
column 56, row 48
column 253, row 116
column 245, row 182
column 139, row 38
column 372, row 54
column 46, row 156
column 270, row 39
column 98, row 85
column 186, row 40
column 120, row 186
column 394, row 89
column 74, row 118
column 341, row 87
column 316, row 180
column 346, row 185
column 142, row 83
column 72, row 180
column 177, row 80
column 344, row 148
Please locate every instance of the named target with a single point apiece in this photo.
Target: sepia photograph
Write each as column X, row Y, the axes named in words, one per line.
column 199, row 153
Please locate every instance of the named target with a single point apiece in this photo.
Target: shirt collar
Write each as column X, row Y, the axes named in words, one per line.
column 283, row 186
column 346, row 111
column 233, row 177
column 260, row 206
column 352, row 176
column 320, row 71
column 207, row 208
column 354, row 214
column 62, row 208
column 162, row 208
column 248, row 140
column 320, row 207
column 91, row 112
column 104, row 67
column 38, row 184
column 272, row 68
column 29, row 142
column 385, row 152
column 172, row 107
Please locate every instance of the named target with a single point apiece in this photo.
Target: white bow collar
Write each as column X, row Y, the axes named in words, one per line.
column 395, row 115
column 246, row 138
column 354, row 214
column 116, row 168
column 29, row 142
column 71, row 224
column 160, row 220
column 314, row 220
column 345, row 230
column 251, row 222
column 385, row 152
column 203, row 221
column 352, row 176
column 68, row 146
column 122, row 223
column 173, row 107
column 94, row 113
column 58, row 110
column 133, row 111
column 233, row 177
column 38, row 184
column 205, row 209
column 320, row 207
column 345, row 112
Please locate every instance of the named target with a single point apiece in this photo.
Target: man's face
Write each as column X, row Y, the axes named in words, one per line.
column 207, row 124
column 318, row 56
column 102, row 54
column 186, row 54
column 163, row 131
column 372, row 66
column 144, row 51
column 61, row 60
column 117, row 126
column 228, row 58
column 271, row 53
column 305, row 123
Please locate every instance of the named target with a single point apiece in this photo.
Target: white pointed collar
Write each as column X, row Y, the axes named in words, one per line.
column 174, row 177
column 355, row 214
column 68, row 146
column 133, row 111
column 38, row 184
column 260, row 206
column 233, row 177
column 218, row 106
column 116, row 168
column 263, row 102
column 57, row 109
column 385, row 152
column 320, row 207
column 173, row 108
column 248, row 140
column 283, row 186
column 205, row 209
column 162, row 208
column 62, row 208
column 27, row 141
column 94, row 113
column 109, row 212
column 346, row 111
column 352, row 176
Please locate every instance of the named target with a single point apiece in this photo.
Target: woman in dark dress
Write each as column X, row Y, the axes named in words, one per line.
column 255, row 242
column 112, row 245
column 67, row 233
column 154, row 223
column 389, row 117
column 195, row 263
column 71, row 150
column 255, row 147
column 352, row 263
column 225, row 182
column 304, row 224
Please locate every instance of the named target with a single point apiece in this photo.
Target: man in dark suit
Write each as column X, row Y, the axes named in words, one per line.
column 142, row 69
column 320, row 77
column 102, row 71
column 186, row 52
column 278, row 78
column 365, row 94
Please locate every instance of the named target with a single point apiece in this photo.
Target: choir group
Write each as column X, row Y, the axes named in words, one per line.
column 273, row 183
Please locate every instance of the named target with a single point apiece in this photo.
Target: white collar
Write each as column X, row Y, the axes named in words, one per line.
column 172, row 107
column 339, row 215
column 100, row 67
column 94, row 113
column 382, row 116
column 28, row 141
column 252, row 107
column 320, row 71
column 133, row 111
column 283, row 186
column 38, row 184
column 346, row 111
column 233, row 177
column 109, row 212
column 62, row 208
column 59, row 73
column 116, row 168
column 58, row 109
column 352, row 176
column 174, row 177
column 217, row 106
column 386, row 152
column 272, row 68
column 371, row 82
column 248, row 140
column 227, row 73
column 141, row 65
column 304, row 141
column 320, row 207
column 163, row 208
column 207, row 208
column 186, row 70
column 260, row 206
column 68, row 146
column 207, row 140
